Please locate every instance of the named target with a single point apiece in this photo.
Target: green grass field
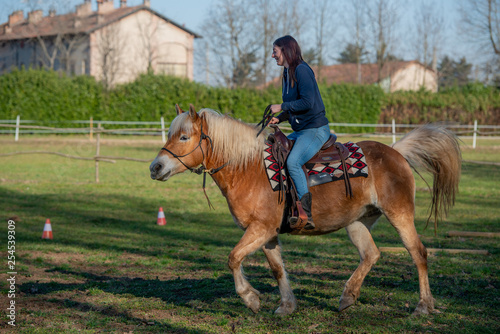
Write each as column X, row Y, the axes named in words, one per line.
column 110, row 268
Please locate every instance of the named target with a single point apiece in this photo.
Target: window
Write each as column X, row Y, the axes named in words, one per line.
column 176, row 69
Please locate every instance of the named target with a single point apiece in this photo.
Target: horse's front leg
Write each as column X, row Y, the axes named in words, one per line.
column 273, row 254
column 253, row 239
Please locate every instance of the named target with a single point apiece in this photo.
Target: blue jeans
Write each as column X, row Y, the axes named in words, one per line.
column 307, row 143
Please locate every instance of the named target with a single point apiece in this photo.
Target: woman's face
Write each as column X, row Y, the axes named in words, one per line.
column 279, row 56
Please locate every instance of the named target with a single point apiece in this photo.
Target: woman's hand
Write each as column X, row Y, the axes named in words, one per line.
column 274, row 120
column 275, row 108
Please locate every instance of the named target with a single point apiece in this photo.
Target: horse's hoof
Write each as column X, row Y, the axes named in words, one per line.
column 423, row 308
column 346, row 302
column 285, row 309
column 252, row 301
column 254, row 304
column 419, row 312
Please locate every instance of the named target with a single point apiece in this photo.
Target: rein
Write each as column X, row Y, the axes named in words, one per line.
column 265, row 119
column 199, row 170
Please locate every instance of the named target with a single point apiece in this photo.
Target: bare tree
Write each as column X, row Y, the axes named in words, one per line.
column 58, row 47
column 67, row 47
column 266, row 29
column 291, row 18
column 356, row 22
column 481, row 24
column 49, row 49
column 158, row 53
column 149, row 45
column 110, row 45
column 239, row 36
column 323, row 30
column 274, row 19
column 47, row 44
column 231, row 40
column 429, row 27
column 480, row 28
column 384, row 16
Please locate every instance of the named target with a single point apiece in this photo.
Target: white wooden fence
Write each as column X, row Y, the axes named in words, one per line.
column 18, row 127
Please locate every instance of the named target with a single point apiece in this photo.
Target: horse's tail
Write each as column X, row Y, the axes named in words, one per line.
column 436, row 150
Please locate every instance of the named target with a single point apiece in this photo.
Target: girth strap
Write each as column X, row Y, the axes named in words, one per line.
column 347, row 181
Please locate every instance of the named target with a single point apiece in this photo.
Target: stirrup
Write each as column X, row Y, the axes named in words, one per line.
column 309, row 225
column 298, row 222
column 294, row 223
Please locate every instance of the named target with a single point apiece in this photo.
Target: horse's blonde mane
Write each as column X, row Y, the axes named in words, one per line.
column 233, row 141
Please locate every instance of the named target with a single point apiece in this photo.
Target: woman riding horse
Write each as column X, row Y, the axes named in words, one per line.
column 303, row 107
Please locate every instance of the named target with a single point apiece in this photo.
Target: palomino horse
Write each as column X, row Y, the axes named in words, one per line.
column 231, row 152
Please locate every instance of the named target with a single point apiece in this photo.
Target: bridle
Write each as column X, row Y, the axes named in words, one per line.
column 199, row 170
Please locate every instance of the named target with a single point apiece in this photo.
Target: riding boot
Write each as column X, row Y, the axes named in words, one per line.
column 306, row 201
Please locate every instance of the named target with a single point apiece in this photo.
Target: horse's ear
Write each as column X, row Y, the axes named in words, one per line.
column 192, row 112
column 178, row 109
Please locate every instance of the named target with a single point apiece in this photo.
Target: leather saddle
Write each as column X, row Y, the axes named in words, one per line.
column 330, row 152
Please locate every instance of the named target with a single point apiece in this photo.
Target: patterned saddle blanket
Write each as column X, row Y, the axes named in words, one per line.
column 319, row 173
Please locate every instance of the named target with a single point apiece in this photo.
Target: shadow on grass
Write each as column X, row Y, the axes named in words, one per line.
column 122, row 223
column 216, row 295
column 115, row 222
column 179, row 292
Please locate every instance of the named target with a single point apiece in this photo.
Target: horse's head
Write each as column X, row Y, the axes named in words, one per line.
column 184, row 148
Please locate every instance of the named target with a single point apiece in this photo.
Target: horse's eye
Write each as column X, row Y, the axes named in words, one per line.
column 184, row 138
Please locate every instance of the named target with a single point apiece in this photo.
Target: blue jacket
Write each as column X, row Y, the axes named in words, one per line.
column 302, row 104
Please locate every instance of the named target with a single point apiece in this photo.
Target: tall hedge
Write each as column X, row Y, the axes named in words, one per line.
column 463, row 105
column 49, row 96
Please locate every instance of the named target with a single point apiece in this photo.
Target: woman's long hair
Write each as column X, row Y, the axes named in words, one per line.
column 293, row 55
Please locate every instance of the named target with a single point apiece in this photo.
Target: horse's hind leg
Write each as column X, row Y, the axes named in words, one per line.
column 272, row 250
column 360, row 236
column 404, row 224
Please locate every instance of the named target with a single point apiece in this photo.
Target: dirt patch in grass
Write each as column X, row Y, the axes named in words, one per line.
column 73, row 268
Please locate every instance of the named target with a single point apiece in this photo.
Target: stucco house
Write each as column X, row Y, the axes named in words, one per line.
column 112, row 44
column 394, row 76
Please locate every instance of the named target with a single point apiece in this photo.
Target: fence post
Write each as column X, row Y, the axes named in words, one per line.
column 393, row 131
column 97, row 152
column 163, row 130
column 18, row 120
column 474, row 136
column 91, row 127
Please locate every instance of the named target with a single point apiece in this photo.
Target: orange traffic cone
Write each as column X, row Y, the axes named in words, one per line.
column 161, row 217
column 47, row 230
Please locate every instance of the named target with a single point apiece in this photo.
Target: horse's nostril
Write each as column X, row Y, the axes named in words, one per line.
column 157, row 167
